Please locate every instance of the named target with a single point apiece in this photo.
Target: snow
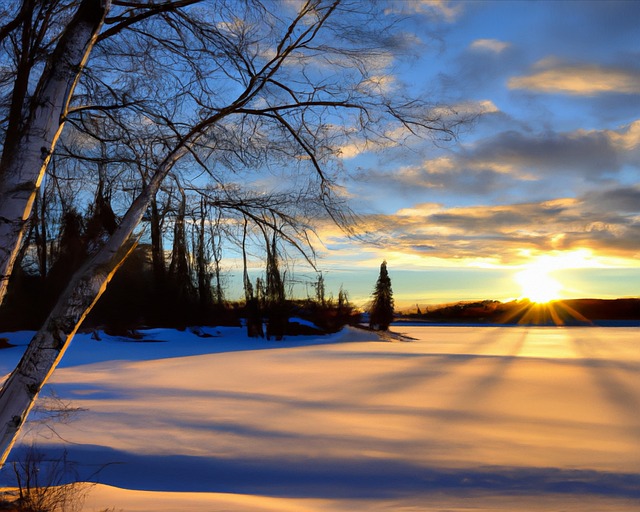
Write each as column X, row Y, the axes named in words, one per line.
column 462, row 418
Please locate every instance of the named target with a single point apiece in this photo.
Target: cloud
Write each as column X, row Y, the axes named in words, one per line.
column 580, row 80
column 627, row 138
column 475, row 107
column 397, row 134
column 589, row 154
column 624, row 200
column 445, row 10
column 606, row 223
column 512, row 165
column 446, row 176
column 379, row 84
column 491, row 45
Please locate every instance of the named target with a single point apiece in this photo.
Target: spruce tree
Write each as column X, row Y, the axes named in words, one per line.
column 381, row 311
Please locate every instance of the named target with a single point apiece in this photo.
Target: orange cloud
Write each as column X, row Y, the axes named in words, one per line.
column 431, row 234
column 580, row 80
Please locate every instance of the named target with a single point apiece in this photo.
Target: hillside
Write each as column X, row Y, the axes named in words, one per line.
column 560, row 312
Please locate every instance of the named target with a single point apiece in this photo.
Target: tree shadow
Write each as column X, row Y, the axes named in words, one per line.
column 623, row 398
column 327, row 477
column 430, row 366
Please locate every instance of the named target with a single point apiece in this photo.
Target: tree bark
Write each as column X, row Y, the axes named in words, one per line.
column 19, row 393
column 47, row 347
column 157, row 249
column 24, row 162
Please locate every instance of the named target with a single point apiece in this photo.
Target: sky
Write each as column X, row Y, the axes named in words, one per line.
column 540, row 196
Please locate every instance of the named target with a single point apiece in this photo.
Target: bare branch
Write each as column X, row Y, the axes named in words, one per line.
column 132, row 17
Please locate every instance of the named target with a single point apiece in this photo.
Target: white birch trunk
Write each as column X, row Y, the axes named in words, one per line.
column 24, row 165
column 20, row 391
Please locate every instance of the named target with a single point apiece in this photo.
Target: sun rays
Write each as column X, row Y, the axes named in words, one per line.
column 555, row 312
column 540, row 280
column 542, row 291
column 537, row 285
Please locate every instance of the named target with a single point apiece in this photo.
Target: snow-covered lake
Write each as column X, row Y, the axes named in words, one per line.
column 462, row 418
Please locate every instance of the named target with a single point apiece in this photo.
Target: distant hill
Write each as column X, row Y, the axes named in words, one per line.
column 524, row 312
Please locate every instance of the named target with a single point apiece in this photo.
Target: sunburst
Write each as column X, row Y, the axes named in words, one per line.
column 538, row 285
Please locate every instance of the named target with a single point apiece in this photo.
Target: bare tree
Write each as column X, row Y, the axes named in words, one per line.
column 216, row 238
column 253, row 87
column 209, row 256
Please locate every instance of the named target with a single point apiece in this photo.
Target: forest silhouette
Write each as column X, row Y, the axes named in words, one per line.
column 524, row 312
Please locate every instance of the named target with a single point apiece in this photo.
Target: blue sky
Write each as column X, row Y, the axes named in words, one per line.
column 546, row 178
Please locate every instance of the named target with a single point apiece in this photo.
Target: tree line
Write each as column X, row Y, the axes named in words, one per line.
column 172, row 279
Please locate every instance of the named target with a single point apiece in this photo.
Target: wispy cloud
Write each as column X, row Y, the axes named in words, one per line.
column 397, row 134
column 552, row 76
column 491, row 45
column 440, row 9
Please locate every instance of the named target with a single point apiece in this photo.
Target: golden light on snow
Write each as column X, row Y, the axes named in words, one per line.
column 501, row 416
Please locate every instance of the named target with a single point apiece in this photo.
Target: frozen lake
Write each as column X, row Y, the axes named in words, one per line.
column 481, row 418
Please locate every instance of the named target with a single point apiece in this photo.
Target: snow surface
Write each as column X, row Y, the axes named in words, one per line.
column 462, row 418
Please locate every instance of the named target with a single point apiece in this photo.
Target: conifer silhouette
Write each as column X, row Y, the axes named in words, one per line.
column 381, row 311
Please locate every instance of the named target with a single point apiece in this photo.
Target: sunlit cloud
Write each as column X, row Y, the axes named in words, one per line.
column 438, row 9
column 513, row 234
column 379, row 84
column 581, row 80
column 627, row 138
column 467, row 109
column 491, row 45
column 397, row 135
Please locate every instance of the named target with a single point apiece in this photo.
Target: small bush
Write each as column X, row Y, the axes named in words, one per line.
column 41, row 485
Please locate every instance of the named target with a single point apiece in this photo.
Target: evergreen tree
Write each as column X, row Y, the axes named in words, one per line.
column 276, row 305
column 381, row 311
column 320, row 292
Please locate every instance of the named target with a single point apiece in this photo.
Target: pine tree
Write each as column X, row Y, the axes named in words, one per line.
column 381, row 311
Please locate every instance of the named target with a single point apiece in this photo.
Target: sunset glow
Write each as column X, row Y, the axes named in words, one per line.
column 320, row 255
column 537, row 285
column 539, row 281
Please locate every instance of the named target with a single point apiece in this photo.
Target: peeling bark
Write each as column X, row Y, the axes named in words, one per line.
column 24, row 162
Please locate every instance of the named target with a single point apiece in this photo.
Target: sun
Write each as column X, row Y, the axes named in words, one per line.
column 543, row 278
column 537, row 285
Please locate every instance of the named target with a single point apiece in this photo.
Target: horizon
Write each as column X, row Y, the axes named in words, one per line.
column 447, row 285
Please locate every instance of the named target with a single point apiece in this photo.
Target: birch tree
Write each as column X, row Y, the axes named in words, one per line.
column 37, row 103
column 247, row 87
column 34, row 123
